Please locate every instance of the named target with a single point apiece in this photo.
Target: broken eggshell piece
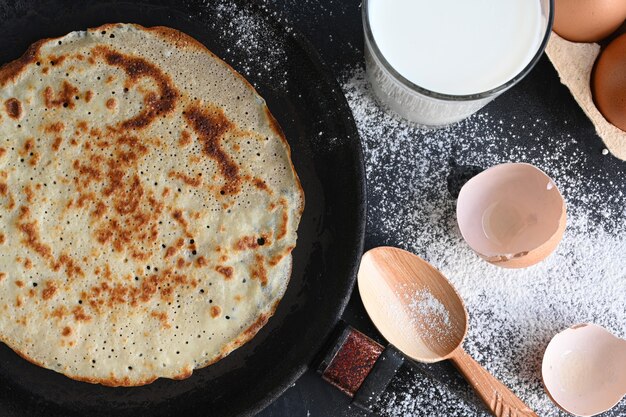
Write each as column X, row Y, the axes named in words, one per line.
column 584, row 370
column 512, row 215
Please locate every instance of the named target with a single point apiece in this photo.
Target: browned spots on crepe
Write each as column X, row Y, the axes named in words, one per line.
column 282, row 229
column 72, row 269
column 66, row 331
column 162, row 317
column 34, row 159
column 261, row 185
column 49, row 290
column 11, row 203
column 57, row 127
column 2, row 238
column 186, row 373
column 185, row 138
column 201, row 262
column 173, row 250
column 249, row 242
column 215, row 311
column 258, row 270
column 59, row 312
column 161, row 284
column 256, row 326
column 2, row 152
column 13, row 108
column 19, row 283
column 226, row 271
column 133, row 220
column 88, row 96
column 32, row 239
column 10, row 71
column 57, row 143
column 191, row 181
column 57, row 60
column 3, row 275
column 62, row 98
column 155, row 104
column 29, row 145
column 83, row 198
column 30, row 195
column 28, row 264
column 211, row 124
column 100, row 210
column 180, row 218
column 79, row 314
column 274, row 260
column 111, row 104
column 87, row 172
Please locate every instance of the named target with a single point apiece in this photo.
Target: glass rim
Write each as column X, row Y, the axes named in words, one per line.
column 369, row 37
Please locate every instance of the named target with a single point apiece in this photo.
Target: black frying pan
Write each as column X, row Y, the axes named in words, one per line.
column 326, row 152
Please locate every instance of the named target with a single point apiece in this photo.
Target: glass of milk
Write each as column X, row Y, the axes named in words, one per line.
column 436, row 62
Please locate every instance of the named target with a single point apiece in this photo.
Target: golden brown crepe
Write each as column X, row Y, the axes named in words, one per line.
column 148, row 206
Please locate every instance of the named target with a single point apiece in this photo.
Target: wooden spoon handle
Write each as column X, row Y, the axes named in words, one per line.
column 496, row 396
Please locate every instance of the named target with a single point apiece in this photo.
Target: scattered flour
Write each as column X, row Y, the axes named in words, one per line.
column 513, row 313
column 253, row 45
column 423, row 397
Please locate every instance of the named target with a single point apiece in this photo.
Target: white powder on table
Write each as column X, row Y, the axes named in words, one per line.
column 513, row 313
column 253, row 46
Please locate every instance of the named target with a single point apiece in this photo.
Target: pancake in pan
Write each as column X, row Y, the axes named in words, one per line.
column 148, row 206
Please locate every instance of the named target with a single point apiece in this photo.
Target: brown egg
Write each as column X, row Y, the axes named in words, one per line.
column 608, row 83
column 588, row 20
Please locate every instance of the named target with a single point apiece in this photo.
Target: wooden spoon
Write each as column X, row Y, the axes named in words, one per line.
column 418, row 311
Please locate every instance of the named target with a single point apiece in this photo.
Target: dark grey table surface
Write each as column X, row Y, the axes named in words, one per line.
column 334, row 27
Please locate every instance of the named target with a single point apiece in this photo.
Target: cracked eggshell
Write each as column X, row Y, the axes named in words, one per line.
column 584, row 370
column 512, row 215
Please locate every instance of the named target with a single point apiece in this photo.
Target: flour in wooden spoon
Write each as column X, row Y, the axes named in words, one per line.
column 513, row 313
column 421, row 312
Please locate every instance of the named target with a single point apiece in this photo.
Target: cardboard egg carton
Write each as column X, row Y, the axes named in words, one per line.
column 574, row 63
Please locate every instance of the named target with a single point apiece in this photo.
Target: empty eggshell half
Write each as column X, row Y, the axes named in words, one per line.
column 512, row 215
column 584, row 370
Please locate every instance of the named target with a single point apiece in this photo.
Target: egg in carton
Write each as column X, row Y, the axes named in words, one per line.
column 588, row 50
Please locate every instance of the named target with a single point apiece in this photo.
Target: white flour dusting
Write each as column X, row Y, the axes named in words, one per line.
column 422, row 312
column 424, row 397
column 246, row 31
column 513, row 313
column 424, row 304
